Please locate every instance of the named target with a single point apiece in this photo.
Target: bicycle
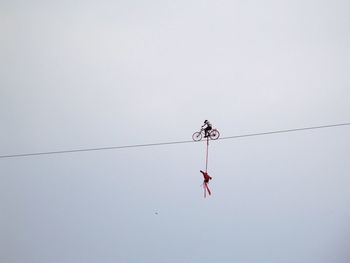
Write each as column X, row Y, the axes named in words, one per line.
column 212, row 134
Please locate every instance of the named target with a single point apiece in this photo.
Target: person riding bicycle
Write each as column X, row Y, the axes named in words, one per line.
column 207, row 127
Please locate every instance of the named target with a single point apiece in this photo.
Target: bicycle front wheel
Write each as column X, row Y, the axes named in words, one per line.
column 197, row 136
column 214, row 134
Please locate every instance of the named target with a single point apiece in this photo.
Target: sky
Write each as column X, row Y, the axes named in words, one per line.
column 84, row 74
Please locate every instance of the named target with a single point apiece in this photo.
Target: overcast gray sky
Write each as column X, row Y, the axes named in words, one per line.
column 84, row 74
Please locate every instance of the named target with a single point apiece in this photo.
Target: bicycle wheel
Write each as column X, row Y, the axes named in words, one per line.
column 197, row 136
column 214, row 134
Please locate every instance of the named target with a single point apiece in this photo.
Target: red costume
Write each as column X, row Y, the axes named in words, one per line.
column 206, row 182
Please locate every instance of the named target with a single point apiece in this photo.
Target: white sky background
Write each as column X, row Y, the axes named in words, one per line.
column 91, row 74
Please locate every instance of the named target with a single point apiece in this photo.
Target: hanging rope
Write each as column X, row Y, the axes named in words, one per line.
column 206, row 156
column 205, row 174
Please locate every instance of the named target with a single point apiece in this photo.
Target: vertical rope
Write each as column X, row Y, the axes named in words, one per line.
column 206, row 157
column 205, row 186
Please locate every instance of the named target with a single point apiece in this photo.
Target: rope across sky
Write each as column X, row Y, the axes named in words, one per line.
column 169, row 143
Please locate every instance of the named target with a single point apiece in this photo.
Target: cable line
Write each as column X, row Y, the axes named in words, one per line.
column 285, row 131
column 93, row 149
column 169, row 143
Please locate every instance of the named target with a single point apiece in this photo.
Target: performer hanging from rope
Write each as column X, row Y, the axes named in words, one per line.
column 206, row 182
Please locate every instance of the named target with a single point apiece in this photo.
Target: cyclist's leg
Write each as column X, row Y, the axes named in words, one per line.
column 207, row 130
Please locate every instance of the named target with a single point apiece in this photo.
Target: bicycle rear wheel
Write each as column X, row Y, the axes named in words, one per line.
column 197, row 136
column 214, row 134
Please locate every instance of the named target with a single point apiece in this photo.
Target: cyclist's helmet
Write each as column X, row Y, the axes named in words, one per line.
column 205, row 121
